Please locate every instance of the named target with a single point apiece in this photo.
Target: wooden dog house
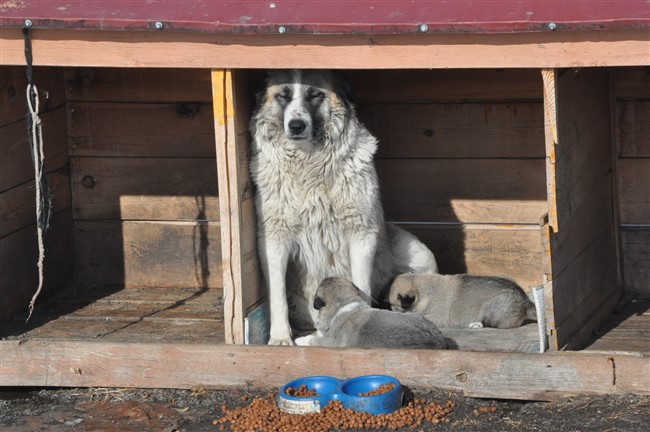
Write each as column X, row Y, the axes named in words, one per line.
column 514, row 139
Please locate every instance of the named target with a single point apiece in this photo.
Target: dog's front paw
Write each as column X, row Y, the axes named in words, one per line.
column 304, row 340
column 281, row 341
column 475, row 325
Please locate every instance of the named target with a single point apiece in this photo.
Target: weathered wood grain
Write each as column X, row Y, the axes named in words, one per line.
column 511, row 251
column 466, row 190
column 634, row 190
column 136, row 49
column 476, row 374
column 141, row 130
column 632, row 83
column 633, row 128
column 148, row 254
column 13, row 88
column 444, row 85
column 16, row 162
column 17, row 205
column 636, row 259
column 456, row 130
column 18, row 258
column 145, row 188
column 583, row 245
column 242, row 276
column 137, row 85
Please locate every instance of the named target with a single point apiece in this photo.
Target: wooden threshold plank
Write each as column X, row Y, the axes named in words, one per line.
column 168, row 365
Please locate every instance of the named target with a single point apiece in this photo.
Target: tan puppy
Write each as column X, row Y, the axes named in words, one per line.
column 462, row 300
column 346, row 320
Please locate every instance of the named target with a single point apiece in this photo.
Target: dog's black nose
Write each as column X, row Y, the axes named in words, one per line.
column 297, row 126
column 318, row 303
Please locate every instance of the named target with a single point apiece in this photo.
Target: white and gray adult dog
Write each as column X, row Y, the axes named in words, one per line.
column 346, row 320
column 319, row 212
column 462, row 300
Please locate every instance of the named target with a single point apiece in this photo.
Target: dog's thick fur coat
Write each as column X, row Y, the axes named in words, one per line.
column 462, row 300
column 346, row 320
column 319, row 212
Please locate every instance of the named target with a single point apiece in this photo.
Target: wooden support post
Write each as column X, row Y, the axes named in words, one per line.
column 229, row 204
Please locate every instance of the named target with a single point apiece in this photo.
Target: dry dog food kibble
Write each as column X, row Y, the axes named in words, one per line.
column 263, row 414
column 379, row 390
column 301, row 391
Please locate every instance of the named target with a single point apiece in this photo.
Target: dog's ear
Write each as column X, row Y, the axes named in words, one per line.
column 343, row 89
column 406, row 301
column 318, row 303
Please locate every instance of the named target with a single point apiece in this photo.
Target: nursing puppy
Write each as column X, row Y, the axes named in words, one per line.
column 462, row 300
column 317, row 199
column 346, row 320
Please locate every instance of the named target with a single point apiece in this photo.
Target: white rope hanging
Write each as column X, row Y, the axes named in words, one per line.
column 37, row 152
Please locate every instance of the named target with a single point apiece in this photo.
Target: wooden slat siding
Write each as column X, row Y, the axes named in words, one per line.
column 583, row 165
column 148, row 254
column 137, row 85
column 632, row 83
column 511, row 251
column 633, row 132
column 499, row 130
column 588, row 222
column 634, row 190
column 145, row 188
column 230, row 204
column 444, row 85
column 636, row 259
column 507, row 191
column 18, row 270
column 138, row 49
column 17, row 205
column 584, row 319
column 16, row 165
column 141, row 130
column 13, row 85
column 476, row 374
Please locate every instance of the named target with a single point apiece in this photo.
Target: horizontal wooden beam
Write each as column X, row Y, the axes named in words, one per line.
column 477, row 374
column 449, row 50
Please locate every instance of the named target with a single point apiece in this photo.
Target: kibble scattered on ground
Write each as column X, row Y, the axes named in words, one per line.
column 263, row 414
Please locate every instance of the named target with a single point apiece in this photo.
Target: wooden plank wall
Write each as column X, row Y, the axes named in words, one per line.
column 633, row 167
column 18, row 244
column 144, row 179
column 461, row 163
column 583, row 272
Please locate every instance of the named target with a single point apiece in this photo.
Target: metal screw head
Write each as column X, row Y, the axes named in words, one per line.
column 552, row 26
column 28, row 23
column 423, row 28
column 282, row 30
column 159, row 25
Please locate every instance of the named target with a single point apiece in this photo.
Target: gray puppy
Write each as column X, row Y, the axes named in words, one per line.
column 462, row 300
column 346, row 320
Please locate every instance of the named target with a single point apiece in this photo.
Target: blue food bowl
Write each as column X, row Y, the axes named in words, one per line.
column 325, row 387
column 384, row 403
column 349, row 392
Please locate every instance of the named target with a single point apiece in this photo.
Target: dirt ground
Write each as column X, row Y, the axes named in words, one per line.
column 139, row 410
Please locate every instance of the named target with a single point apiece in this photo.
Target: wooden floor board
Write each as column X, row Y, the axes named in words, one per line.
column 627, row 330
column 166, row 315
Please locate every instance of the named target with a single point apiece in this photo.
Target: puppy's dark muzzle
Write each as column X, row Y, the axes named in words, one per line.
column 297, row 127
